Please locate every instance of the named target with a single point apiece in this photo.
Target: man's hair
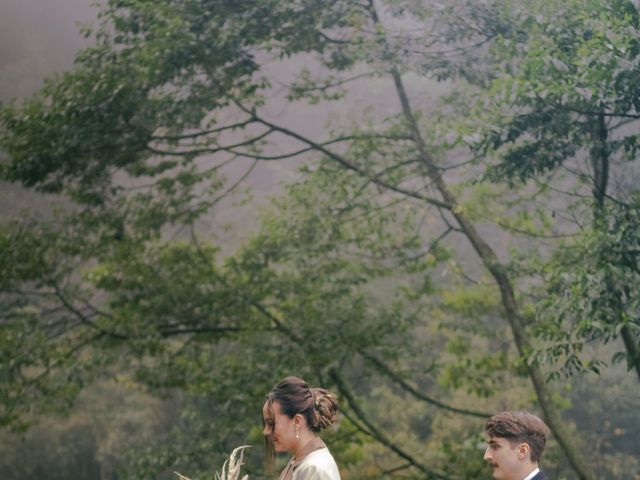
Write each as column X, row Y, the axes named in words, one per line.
column 520, row 427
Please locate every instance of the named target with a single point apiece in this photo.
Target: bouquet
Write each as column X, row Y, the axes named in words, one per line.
column 230, row 469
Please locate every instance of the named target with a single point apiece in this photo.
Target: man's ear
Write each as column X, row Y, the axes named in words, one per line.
column 524, row 451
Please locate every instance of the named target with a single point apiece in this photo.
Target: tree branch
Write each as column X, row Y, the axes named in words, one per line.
column 345, row 163
column 202, row 133
column 208, row 151
column 382, row 368
column 257, row 305
column 83, row 318
column 375, row 432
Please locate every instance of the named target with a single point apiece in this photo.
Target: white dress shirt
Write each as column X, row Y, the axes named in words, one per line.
column 532, row 474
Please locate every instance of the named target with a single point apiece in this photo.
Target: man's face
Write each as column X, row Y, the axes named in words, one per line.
column 505, row 458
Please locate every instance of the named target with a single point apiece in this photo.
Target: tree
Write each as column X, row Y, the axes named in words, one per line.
column 565, row 101
column 138, row 134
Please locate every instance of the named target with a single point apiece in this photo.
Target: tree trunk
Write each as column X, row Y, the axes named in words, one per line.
column 600, row 164
column 490, row 260
column 633, row 352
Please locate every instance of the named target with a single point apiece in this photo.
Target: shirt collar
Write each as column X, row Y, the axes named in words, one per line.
column 532, row 474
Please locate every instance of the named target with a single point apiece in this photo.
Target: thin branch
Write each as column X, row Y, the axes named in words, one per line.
column 83, row 318
column 382, row 368
column 433, row 244
column 466, row 276
column 202, row 133
column 457, row 50
column 456, row 165
column 283, row 156
column 375, row 432
column 234, row 186
column 269, row 158
column 209, row 151
column 199, row 330
column 337, row 83
column 361, row 428
column 66, row 355
column 255, row 304
column 593, row 113
column 201, row 174
column 399, row 468
column 448, row 223
column 344, row 162
column 333, row 40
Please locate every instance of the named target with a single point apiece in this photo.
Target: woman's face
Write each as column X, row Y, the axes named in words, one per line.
column 279, row 428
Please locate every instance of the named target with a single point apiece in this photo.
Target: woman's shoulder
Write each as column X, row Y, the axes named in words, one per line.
column 319, row 464
column 319, row 455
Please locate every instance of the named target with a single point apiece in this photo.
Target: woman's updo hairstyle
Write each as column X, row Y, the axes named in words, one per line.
column 317, row 405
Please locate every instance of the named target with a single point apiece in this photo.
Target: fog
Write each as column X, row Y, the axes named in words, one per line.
column 37, row 39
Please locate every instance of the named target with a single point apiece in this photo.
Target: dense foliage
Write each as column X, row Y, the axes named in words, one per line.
column 431, row 260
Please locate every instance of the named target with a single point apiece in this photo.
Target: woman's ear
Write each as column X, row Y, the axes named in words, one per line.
column 298, row 420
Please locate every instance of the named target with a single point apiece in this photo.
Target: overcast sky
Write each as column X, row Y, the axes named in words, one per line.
column 41, row 37
column 37, row 38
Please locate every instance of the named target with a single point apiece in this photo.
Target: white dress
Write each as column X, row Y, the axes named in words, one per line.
column 318, row 465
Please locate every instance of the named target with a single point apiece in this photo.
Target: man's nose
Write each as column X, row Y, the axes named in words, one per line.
column 487, row 454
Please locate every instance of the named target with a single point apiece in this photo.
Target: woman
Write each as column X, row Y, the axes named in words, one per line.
column 293, row 415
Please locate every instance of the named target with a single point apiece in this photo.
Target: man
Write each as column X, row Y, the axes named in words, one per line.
column 515, row 445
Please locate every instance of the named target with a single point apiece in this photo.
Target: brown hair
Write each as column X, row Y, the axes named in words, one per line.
column 520, row 427
column 318, row 406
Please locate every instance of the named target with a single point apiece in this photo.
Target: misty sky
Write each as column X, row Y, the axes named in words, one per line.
column 37, row 38
column 41, row 37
